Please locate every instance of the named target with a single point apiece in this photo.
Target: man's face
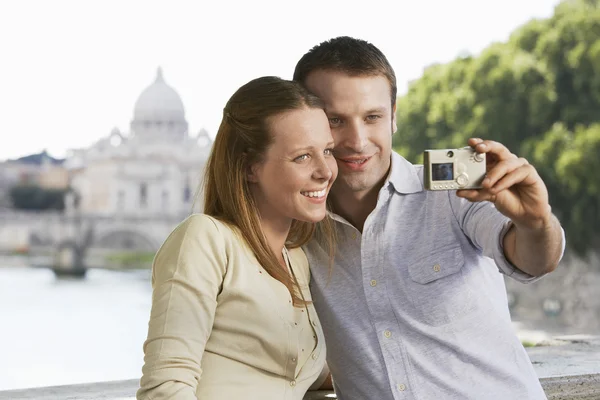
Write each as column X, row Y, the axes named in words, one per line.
column 362, row 122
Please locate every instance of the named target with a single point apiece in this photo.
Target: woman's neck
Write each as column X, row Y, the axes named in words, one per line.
column 276, row 233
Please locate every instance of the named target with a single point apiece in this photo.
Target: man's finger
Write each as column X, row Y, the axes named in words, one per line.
column 501, row 169
column 517, row 176
column 500, row 151
column 476, row 195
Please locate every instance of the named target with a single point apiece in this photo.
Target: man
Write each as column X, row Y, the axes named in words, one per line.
column 415, row 305
column 442, row 172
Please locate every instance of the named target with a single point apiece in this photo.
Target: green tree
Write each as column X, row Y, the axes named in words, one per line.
column 33, row 197
column 539, row 94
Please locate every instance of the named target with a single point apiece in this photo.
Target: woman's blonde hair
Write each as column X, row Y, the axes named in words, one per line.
column 242, row 140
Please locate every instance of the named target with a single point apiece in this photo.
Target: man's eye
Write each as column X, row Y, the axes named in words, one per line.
column 373, row 117
column 334, row 121
column 302, row 157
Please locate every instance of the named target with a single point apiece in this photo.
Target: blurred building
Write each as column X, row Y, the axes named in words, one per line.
column 38, row 169
column 154, row 169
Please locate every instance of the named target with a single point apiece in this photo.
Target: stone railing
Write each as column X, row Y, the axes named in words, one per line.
column 578, row 387
column 568, row 367
column 581, row 387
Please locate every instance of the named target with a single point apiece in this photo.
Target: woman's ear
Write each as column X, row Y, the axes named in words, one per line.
column 252, row 173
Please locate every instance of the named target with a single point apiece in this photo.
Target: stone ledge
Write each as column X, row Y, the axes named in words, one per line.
column 566, row 356
column 580, row 387
column 114, row 390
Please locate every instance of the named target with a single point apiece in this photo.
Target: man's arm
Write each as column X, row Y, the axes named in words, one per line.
column 534, row 242
column 535, row 251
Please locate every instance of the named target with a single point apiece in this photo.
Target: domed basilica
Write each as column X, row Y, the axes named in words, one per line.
column 154, row 169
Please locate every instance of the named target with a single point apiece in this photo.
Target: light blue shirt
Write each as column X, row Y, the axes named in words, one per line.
column 415, row 306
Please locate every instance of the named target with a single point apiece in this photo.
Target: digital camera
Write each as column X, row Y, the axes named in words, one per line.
column 452, row 169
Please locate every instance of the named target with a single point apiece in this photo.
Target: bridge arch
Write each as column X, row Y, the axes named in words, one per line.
column 125, row 239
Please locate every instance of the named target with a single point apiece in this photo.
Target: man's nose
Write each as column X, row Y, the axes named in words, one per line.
column 354, row 137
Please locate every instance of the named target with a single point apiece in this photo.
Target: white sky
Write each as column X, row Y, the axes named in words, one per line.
column 70, row 71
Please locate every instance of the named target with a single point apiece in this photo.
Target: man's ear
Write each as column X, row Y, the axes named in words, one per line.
column 394, row 122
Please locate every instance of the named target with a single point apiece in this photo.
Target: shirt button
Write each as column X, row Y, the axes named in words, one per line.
column 401, row 387
column 314, row 356
column 437, row 268
column 373, row 282
column 294, row 359
column 387, row 334
column 293, row 383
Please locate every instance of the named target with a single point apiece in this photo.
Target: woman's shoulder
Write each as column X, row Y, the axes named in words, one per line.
column 195, row 241
column 203, row 224
column 197, row 231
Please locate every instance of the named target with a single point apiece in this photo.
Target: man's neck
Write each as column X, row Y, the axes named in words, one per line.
column 354, row 207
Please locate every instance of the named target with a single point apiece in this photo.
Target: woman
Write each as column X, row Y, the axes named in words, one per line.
column 231, row 311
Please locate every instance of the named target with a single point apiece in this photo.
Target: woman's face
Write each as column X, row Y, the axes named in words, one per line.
column 297, row 171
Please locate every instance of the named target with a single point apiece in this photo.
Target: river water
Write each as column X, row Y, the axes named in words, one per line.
column 65, row 331
column 61, row 331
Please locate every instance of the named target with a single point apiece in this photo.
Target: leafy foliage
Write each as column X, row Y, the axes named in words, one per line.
column 538, row 94
column 32, row 197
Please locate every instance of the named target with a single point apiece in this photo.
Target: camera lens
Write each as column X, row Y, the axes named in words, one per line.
column 450, row 154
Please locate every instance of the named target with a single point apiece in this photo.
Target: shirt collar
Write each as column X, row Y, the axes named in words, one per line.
column 403, row 176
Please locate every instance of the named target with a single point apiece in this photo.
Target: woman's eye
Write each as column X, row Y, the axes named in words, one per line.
column 334, row 121
column 301, row 158
column 329, row 152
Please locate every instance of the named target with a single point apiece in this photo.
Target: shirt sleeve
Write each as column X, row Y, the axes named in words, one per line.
column 486, row 227
column 187, row 275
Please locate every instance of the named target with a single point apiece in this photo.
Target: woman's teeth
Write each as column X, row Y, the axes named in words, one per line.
column 318, row 194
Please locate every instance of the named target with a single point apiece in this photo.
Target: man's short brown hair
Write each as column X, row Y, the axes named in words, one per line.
column 352, row 56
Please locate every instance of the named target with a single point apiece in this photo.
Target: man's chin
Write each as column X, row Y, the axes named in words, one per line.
column 349, row 184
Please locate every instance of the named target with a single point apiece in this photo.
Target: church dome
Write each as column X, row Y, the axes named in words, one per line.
column 159, row 102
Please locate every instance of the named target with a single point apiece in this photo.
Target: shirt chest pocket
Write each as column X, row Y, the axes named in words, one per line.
column 437, row 287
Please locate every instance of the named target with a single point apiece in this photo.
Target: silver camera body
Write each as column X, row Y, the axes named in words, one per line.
column 452, row 169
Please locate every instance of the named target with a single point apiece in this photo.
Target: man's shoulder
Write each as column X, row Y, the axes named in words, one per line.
column 419, row 170
column 405, row 177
